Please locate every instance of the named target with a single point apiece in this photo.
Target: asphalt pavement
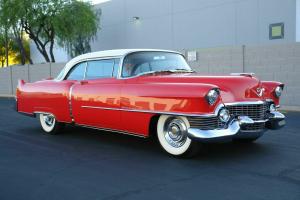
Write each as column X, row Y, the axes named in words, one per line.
column 87, row 164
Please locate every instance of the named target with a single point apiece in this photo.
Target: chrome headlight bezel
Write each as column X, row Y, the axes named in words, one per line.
column 224, row 115
column 212, row 96
column 272, row 107
column 278, row 91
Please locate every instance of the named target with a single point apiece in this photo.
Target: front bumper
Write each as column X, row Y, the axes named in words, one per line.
column 234, row 128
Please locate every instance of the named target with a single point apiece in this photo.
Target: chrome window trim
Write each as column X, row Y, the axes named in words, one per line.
column 86, row 60
column 85, row 70
column 124, row 56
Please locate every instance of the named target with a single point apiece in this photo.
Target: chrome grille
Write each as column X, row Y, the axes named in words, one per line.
column 254, row 111
column 208, row 123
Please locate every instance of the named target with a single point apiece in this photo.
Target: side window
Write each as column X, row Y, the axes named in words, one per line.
column 77, row 72
column 100, row 69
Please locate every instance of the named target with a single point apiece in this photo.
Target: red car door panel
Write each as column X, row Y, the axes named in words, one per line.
column 96, row 103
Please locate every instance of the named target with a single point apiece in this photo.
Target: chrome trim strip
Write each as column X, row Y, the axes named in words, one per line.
column 26, row 113
column 216, row 112
column 244, row 103
column 70, row 102
column 112, row 130
column 158, row 112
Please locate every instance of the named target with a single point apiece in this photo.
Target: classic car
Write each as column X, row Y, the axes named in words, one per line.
column 146, row 92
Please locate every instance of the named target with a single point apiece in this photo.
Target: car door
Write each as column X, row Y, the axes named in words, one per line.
column 96, row 99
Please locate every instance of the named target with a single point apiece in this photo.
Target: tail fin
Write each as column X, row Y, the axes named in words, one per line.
column 21, row 82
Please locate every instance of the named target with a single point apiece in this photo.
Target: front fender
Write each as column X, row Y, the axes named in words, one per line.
column 184, row 98
column 269, row 90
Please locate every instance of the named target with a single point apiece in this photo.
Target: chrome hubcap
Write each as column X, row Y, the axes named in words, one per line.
column 48, row 119
column 175, row 132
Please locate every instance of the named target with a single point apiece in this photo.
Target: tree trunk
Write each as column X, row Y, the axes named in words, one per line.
column 41, row 48
column 21, row 50
column 51, row 51
column 6, row 47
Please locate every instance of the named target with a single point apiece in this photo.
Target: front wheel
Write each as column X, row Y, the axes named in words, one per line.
column 49, row 124
column 172, row 136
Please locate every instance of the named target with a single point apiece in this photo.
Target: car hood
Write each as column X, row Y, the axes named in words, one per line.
column 233, row 87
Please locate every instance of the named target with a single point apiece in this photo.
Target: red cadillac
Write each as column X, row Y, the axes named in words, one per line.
column 153, row 92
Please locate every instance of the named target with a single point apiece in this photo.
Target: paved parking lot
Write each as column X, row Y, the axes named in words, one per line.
column 88, row 164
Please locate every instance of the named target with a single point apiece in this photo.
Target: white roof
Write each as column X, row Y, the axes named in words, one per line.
column 111, row 53
column 104, row 54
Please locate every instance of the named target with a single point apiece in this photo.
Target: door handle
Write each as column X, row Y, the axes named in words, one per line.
column 83, row 82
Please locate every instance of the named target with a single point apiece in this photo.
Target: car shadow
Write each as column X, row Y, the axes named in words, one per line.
column 150, row 147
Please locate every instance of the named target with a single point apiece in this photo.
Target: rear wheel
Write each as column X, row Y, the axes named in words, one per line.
column 49, row 124
column 172, row 136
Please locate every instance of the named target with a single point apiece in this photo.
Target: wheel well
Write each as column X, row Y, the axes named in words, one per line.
column 153, row 125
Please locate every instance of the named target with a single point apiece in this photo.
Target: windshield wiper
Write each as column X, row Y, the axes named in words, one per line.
column 169, row 70
column 183, row 70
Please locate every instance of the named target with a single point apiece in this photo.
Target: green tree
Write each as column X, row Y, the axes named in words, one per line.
column 9, row 50
column 14, row 30
column 76, row 26
column 71, row 22
column 2, row 50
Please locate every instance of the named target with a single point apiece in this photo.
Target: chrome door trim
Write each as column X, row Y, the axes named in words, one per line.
column 158, row 112
column 70, row 102
column 112, row 130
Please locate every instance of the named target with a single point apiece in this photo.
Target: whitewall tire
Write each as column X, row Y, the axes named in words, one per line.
column 49, row 123
column 172, row 136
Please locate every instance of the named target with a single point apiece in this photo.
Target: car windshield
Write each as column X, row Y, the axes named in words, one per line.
column 140, row 63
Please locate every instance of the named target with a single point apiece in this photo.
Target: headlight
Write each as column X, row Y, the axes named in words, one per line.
column 212, row 96
column 224, row 115
column 278, row 91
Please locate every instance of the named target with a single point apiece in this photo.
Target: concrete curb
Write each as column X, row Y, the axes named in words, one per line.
column 290, row 108
column 7, row 96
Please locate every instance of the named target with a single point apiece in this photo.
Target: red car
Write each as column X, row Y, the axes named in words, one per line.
column 146, row 92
